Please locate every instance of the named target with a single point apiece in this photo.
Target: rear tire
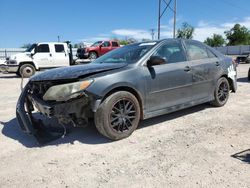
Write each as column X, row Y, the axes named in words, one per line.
column 27, row 70
column 118, row 115
column 221, row 93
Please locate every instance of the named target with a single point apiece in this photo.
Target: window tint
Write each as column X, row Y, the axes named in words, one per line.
column 196, row 51
column 210, row 54
column 59, row 48
column 115, row 44
column 106, row 44
column 172, row 52
column 43, row 48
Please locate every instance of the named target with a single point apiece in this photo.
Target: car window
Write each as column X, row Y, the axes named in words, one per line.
column 210, row 54
column 43, row 48
column 59, row 48
column 172, row 52
column 115, row 44
column 106, row 44
column 196, row 51
column 127, row 54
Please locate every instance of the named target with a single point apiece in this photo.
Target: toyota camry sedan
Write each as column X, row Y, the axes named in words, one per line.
column 129, row 84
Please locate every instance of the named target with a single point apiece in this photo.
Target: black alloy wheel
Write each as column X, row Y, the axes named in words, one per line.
column 122, row 115
column 221, row 93
column 118, row 115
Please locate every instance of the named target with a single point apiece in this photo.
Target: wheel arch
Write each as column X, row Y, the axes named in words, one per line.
column 130, row 90
column 27, row 62
column 94, row 52
column 231, row 82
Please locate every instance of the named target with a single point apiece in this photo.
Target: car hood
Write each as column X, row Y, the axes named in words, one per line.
column 74, row 72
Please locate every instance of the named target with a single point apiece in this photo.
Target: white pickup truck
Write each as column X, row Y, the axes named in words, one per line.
column 39, row 56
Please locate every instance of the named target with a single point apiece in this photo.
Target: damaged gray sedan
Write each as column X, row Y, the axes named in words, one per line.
column 132, row 83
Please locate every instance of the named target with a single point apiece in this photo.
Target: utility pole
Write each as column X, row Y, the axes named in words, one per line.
column 152, row 33
column 175, row 8
column 169, row 4
column 159, row 20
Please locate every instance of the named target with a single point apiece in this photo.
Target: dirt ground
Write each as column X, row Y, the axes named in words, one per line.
column 191, row 148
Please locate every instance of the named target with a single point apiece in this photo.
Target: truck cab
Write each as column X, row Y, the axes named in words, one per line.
column 38, row 56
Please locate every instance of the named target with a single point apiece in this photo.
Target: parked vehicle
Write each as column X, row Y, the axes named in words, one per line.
column 43, row 55
column 97, row 49
column 132, row 83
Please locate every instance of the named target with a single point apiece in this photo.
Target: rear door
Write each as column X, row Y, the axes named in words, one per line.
column 43, row 57
column 204, row 66
column 60, row 56
column 114, row 45
column 169, row 84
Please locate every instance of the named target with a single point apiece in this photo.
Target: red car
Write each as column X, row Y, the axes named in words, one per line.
column 97, row 49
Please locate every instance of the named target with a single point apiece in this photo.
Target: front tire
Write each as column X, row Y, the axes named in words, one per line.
column 27, row 70
column 221, row 93
column 92, row 55
column 118, row 115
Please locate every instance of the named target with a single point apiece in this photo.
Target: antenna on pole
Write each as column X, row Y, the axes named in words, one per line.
column 168, row 4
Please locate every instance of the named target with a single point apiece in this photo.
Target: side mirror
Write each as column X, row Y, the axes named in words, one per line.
column 156, row 60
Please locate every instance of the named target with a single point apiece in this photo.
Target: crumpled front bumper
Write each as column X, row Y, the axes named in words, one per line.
column 64, row 112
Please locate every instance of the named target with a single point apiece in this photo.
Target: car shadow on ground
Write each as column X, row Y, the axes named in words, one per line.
column 243, row 79
column 244, row 156
column 89, row 134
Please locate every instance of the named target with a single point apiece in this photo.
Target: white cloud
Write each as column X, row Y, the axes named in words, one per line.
column 93, row 39
column 133, row 33
column 203, row 30
column 206, row 29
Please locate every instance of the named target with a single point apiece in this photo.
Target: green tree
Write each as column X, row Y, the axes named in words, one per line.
column 215, row 41
column 186, row 31
column 238, row 35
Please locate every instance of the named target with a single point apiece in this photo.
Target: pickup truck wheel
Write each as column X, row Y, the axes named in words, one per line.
column 92, row 55
column 27, row 70
column 118, row 115
column 221, row 93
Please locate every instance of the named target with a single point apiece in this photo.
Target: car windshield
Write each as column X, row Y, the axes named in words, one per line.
column 29, row 49
column 96, row 44
column 127, row 54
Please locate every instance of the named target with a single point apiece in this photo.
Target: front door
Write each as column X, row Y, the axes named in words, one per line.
column 105, row 47
column 169, row 84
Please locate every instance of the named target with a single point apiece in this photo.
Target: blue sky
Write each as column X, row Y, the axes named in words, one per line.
column 27, row 21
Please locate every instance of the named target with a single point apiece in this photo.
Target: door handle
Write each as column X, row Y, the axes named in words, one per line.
column 187, row 69
column 50, row 55
column 217, row 63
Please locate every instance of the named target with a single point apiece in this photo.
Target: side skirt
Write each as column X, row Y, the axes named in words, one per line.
column 168, row 110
